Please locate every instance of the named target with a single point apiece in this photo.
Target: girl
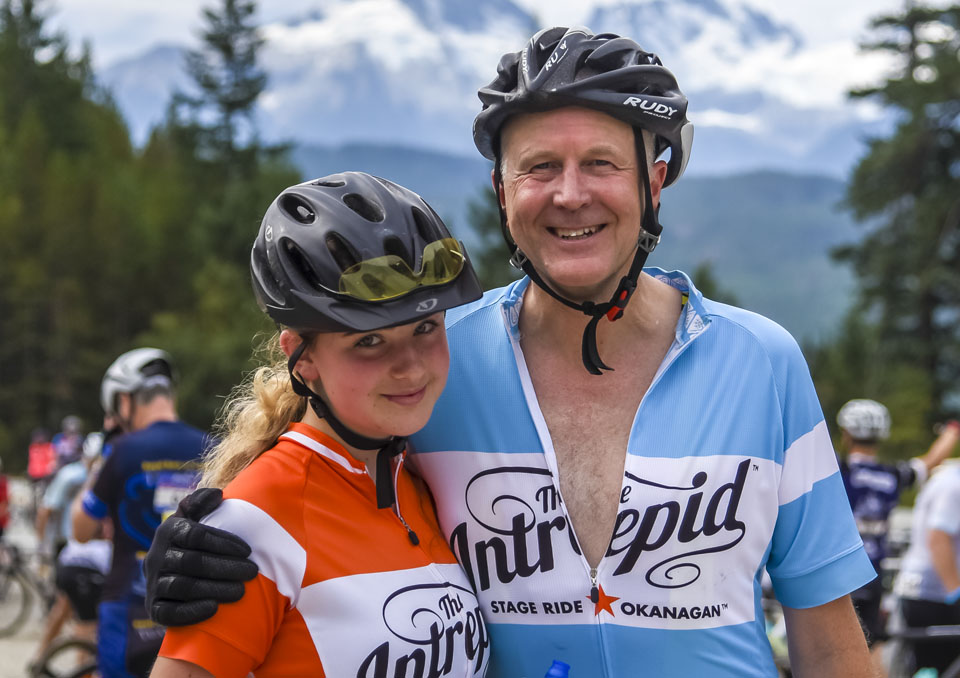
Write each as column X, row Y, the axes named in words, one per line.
column 358, row 271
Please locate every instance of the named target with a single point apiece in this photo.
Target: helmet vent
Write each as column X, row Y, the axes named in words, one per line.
column 301, row 265
column 329, row 184
column 341, row 251
column 393, row 245
column 425, row 226
column 365, row 208
column 297, row 209
column 264, row 275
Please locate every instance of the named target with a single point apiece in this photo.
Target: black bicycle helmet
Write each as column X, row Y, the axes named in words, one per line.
column 352, row 252
column 573, row 67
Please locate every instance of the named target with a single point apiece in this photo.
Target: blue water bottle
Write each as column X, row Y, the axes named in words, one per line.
column 558, row 670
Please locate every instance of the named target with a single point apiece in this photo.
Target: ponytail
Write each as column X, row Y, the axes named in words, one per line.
column 257, row 412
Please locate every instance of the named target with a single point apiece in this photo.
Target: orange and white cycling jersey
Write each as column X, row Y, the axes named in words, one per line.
column 342, row 589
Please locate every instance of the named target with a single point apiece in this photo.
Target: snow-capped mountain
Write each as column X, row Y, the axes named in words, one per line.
column 406, row 72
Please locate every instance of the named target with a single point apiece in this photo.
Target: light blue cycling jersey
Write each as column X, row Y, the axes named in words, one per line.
column 729, row 469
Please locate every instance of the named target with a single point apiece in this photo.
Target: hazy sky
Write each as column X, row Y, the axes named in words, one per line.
column 120, row 28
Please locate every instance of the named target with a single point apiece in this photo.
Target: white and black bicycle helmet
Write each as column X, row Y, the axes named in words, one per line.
column 865, row 420
column 133, row 371
column 562, row 67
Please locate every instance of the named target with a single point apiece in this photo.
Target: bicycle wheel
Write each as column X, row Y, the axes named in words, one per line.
column 66, row 658
column 16, row 601
column 88, row 670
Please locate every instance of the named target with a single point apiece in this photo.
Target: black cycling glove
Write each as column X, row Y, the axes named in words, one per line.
column 191, row 568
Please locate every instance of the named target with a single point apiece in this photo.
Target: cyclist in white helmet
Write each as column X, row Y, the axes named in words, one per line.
column 873, row 488
column 152, row 465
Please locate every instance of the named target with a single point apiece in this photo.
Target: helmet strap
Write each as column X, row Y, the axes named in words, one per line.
column 613, row 310
column 388, row 447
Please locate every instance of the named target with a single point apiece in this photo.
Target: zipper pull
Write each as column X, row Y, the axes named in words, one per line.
column 594, row 591
column 414, row 539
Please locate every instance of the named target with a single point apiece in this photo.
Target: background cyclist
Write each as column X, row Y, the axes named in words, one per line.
column 149, row 469
column 874, row 489
column 80, row 568
column 929, row 579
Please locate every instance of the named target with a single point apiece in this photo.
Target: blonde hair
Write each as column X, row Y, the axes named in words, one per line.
column 256, row 413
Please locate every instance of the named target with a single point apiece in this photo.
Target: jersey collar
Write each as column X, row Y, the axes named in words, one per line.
column 692, row 322
column 318, row 441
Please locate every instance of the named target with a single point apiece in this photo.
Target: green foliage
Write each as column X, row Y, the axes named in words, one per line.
column 907, row 189
column 705, row 280
column 854, row 365
column 489, row 254
column 229, row 82
column 107, row 247
column 213, row 338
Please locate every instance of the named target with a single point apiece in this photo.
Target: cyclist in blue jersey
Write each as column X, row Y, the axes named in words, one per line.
column 618, row 523
column 151, row 467
column 874, row 489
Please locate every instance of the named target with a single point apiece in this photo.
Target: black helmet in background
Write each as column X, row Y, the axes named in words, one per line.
column 354, row 252
column 573, row 67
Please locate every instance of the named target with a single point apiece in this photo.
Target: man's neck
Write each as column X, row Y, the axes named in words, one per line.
column 158, row 409
column 863, row 450
column 554, row 326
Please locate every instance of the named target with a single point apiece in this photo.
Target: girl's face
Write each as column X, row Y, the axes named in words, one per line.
column 380, row 383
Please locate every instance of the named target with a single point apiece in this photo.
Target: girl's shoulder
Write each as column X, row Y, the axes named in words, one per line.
column 275, row 478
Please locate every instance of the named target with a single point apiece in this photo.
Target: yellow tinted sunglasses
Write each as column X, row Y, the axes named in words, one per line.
column 389, row 276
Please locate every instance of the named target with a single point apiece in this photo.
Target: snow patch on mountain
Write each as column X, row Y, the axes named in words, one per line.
column 407, row 71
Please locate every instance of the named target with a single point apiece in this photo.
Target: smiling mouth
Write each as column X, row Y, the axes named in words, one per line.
column 577, row 233
column 411, row 398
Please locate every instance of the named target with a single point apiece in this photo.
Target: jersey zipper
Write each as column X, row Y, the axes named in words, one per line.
column 411, row 535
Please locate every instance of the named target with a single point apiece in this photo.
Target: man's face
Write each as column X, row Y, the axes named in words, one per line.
column 571, row 195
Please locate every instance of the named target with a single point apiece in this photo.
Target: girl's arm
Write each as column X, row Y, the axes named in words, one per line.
column 177, row 668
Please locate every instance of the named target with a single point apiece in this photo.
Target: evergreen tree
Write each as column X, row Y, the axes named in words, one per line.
column 228, row 82
column 65, row 160
column 211, row 180
column 490, row 257
column 907, row 188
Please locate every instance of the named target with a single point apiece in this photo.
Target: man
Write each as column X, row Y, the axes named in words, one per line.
column 150, row 468
column 618, row 523
column 54, row 528
column 80, row 568
column 929, row 580
column 874, row 489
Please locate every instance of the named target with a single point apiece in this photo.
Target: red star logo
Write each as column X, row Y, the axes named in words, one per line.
column 604, row 602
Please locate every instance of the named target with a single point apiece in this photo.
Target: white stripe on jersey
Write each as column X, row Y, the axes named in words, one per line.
column 278, row 555
column 321, row 450
column 809, row 460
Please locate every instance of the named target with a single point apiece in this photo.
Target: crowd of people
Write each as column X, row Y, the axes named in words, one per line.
column 594, row 465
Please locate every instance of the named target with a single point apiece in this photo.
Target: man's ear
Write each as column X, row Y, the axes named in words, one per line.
column 658, row 174
column 498, row 189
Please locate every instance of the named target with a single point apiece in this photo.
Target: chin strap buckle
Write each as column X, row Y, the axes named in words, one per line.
column 518, row 259
column 647, row 241
column 620, row 299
